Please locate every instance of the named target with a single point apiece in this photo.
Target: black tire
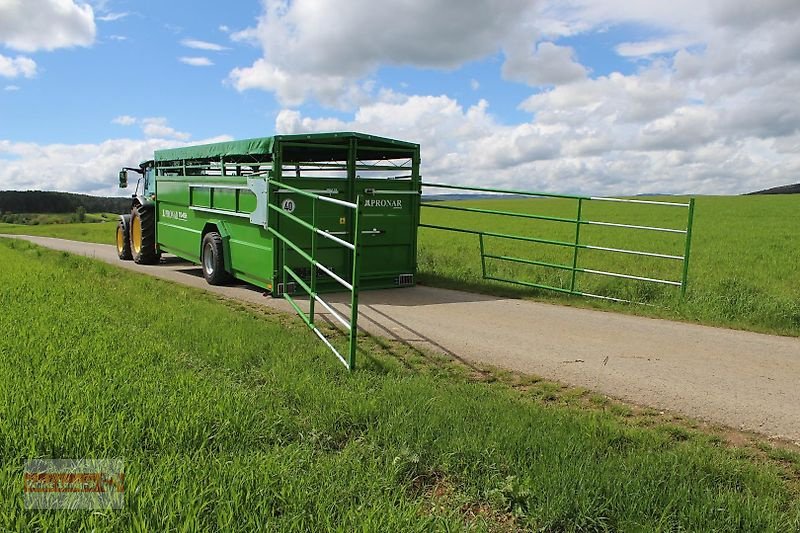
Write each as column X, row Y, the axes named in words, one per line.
column 143, row 235
column 212, row 259
column 123, row 239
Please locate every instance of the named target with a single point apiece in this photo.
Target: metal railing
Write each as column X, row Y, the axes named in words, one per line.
column 310, row 288
column 579, row 221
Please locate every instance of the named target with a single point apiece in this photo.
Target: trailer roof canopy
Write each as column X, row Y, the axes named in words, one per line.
column 308, row 147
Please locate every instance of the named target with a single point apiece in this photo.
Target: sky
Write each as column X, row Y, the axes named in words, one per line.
column 600, row 97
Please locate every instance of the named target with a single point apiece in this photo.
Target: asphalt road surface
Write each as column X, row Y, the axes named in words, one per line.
column 743, row 380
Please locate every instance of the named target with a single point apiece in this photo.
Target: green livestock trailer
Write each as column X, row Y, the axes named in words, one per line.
column 311, row 213
column 244, row 209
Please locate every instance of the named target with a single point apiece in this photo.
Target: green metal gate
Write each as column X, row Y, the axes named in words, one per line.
column 287, row 273
column 577, row 244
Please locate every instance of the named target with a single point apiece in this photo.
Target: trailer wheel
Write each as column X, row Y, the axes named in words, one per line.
column 123, row 242
column 213, row 260
column 143, row 235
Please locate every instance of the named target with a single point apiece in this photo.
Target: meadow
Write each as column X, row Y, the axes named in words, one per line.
column 230, row 417
column 744, row 264
column 99, row 232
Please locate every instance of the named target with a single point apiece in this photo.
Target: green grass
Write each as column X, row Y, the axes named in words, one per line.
column 100, row 232
column 231, row 418
column 35, row 219
column 744, row 267
column 745, row 259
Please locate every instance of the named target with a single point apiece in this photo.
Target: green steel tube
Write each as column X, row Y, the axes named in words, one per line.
column 504, row 191
column 500, row 235
column 294, row 247
column 535, row 285
column 687, row 249
column 291, row 217
column 300, row 282
column 297, row 309
column 529, row 261
column 307, row 194
column 355, row 282
column 483, row 256
column 494, row 212
column 577, row 245
column 313, row 259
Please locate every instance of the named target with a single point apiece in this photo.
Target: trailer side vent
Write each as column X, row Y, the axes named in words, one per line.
column 404, row 280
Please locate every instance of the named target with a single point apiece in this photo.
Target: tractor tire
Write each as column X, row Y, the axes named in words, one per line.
column 143, row 235
column 212, row 259
column 123, row 242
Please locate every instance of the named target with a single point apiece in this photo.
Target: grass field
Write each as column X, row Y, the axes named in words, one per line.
column 231, row 418
column 100, row 232
column 744, row 266
column 35, row 219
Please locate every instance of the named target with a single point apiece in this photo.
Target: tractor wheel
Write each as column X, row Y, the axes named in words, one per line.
column 123, row 243
column 213, row 260
column 143, row 235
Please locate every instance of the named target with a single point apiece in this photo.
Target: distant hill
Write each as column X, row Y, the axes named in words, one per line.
column 60, row 202
column 783, row 189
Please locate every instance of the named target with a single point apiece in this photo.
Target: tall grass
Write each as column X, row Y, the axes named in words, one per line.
column 229, row 419
column 744, row 263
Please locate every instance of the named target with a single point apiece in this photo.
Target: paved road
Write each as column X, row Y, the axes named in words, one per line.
column 740, row 379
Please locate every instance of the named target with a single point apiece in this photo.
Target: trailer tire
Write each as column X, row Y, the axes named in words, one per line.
column 143, row 235
column 123, row 240
column 212, row 259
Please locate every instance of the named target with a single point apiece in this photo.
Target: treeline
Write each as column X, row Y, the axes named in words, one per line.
column 783, row 189
column 15, row 202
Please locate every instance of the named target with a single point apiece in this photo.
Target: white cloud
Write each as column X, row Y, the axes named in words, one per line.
column 224, row 29
column 709, row 108
column 11, row 88
column 152, row 127
column 17, row 66
column 124, row 120
column 85, row 168
column 674, row 150
column 548, row 64
column 46, row 24
column 474, row 84
column 111, row 17
column 306, row 56
column 117, row 37
column 202, row 45
column 156, row 127
column 196, row 61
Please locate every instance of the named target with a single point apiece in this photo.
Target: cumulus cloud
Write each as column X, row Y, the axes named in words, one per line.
column 17, row 66
column 709, row 108
column 196, row 61
column 548, row 64
column 46, row 24
column 667, row 151
column 85, row 168
column 325, row 49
